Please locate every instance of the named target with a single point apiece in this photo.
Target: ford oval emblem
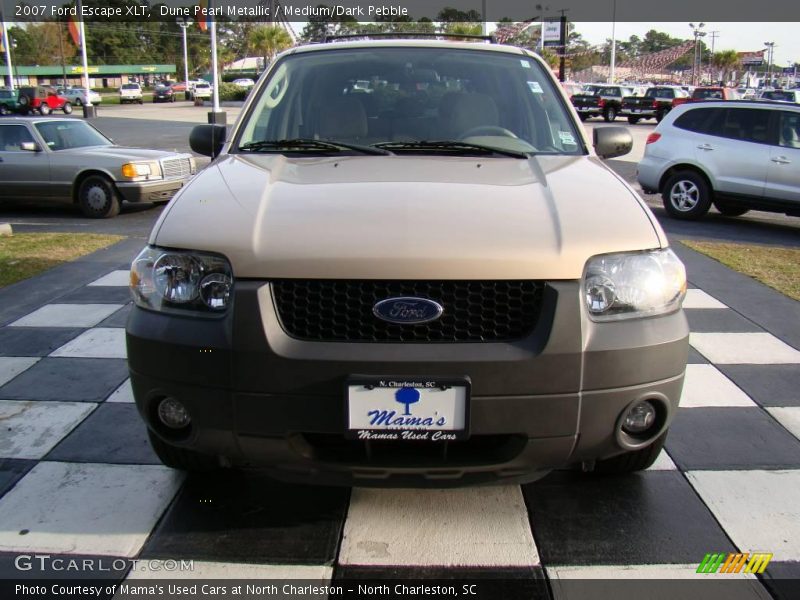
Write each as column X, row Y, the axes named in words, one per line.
column 408, row 310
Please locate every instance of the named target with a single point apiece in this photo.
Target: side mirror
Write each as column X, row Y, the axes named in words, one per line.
column 610, row 142
column 207, row 139
column 30, row 147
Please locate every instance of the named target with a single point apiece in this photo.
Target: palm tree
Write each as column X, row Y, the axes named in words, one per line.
column 269, row 40
column 725, row 61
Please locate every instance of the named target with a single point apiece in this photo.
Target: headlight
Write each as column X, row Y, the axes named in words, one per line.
column 633, row 284
column 175, row 280
column 141, row 171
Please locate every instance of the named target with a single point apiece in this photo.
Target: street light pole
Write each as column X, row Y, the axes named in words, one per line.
column 7, row 41
column 183, row 23
column 698, row 32
column 770, row 48
column 612, row 69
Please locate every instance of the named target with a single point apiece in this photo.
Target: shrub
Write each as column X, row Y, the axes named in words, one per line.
column 229, row 92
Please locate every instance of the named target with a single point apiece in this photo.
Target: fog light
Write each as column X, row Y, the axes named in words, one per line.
column 173, row 413
column 639, row 418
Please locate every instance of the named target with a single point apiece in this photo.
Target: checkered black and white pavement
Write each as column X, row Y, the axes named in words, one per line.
column 78, row 479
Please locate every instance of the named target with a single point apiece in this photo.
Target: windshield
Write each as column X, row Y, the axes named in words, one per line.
column 63, row 135
column 708, row 94
column 371, row 96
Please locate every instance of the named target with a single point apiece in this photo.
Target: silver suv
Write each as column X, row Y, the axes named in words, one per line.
column 433, row 280
column 736, row 155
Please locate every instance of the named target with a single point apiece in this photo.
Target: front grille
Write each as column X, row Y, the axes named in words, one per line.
column 176, row 167
column 341, row 311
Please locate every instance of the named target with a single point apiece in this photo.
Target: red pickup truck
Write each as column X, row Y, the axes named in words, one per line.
column 707, row 93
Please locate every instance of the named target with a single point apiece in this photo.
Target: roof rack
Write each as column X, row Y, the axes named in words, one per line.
column 410, row 34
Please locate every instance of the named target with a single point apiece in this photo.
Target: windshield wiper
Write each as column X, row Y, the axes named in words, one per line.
column 452, row 146
column 300, row 144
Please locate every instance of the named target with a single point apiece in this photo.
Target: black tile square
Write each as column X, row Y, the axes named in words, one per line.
column 695, row 358
column 508, row 583
column 768, row 385
column 44, row 566
column 113, row 433
column 713, row 320
column 730, row 438
column 35, row 341
column 68, row 379
column 654, row 517
column 11, row 471
column 783, row 580
column 97, row 294
column 119, row 318
column 244, row 516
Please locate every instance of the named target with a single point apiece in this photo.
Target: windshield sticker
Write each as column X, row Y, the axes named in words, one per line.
column 535, row 87
column 525, row 63
column 566, row 138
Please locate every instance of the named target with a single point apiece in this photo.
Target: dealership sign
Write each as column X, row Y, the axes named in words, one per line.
column 551, row 33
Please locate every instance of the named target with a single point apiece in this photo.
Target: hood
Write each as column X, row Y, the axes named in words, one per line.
column 124, row 153
column 401, row 217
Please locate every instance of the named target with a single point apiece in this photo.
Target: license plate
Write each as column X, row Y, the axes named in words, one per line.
column 583, row 108
column 637, row 110
column 407, row 408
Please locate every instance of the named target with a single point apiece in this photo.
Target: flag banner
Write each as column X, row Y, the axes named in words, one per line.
column 202, row 17
column 74, row 30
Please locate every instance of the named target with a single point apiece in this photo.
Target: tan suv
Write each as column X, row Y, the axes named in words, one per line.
column 429, row 280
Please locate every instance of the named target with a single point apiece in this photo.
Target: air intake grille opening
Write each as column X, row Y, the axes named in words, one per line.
column 474, row 311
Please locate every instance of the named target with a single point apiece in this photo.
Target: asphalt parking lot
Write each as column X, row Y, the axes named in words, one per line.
column 77, row 477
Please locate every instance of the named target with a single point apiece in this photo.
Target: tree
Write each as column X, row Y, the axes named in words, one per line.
column 318, row 28
column 725, row 61
column 458, row 22
column 39, row 44
column 269, row 40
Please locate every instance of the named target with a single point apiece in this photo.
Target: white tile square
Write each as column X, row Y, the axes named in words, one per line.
column 483, row 526
column 759, row 510
column 699, row 299
column 744, row 348
column 123, row 393
column 663, row 463
column 32, row 429
column 198, row 569
column 789, row 417
column 11, row 366
column 115, row 278
column 706, row 386
column 101, row 342
column 99, row 509
column 67, row 315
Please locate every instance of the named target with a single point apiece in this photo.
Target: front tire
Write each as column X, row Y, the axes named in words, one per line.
column 67, row 108
column 610, row 115
column 181, row 458
column 4, row 110
column 44, row 110
column 97, row 198
column 78, row 101
column 686, row 196
column 630, row 462
column 730, row 210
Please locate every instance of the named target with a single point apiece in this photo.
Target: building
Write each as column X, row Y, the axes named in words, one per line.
column 100, row 76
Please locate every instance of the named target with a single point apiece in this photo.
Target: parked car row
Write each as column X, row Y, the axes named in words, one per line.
column 41, row 100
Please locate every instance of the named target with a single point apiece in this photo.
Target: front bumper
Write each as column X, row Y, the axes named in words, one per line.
column 258, row 397
column 150, row 191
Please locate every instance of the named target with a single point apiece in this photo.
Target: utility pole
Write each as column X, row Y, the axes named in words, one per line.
column 562, row 63
column 61, row 47
column 713, row 35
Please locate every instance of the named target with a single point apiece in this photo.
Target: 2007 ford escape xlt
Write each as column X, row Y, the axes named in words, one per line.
column 407, row 266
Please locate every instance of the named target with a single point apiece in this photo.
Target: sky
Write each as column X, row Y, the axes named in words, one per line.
column 742, row 37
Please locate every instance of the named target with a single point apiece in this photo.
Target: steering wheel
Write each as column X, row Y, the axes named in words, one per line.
column 487, row 130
